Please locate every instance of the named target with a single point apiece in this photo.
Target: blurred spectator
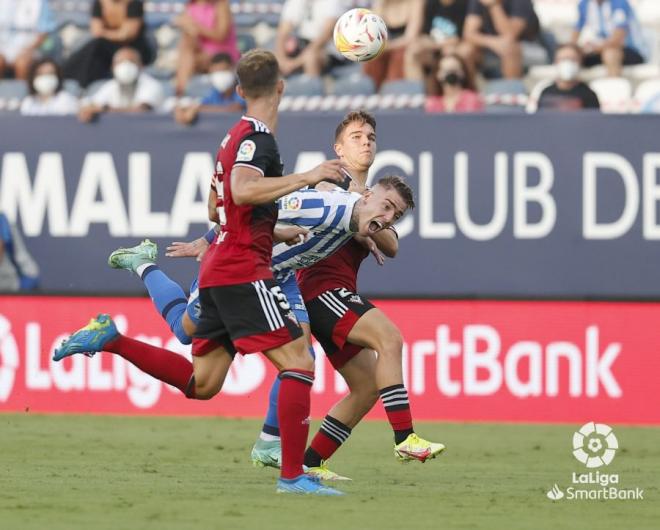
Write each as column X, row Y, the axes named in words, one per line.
column 652, row 105
column 207, row 29
column 404, row 19
column 502, row 29
column 24, row 26
column 442, row 31
column 18, row 271
column 608, row 33
column 456, row 91
column 114, row 24
column 131, row 90
column 47, row 96
column 568, row 93
column 304, row 36
column 221, row 98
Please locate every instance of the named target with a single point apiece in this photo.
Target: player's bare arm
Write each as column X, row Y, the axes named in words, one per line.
column 387, row 242
column 214, row 216
column 248, row 186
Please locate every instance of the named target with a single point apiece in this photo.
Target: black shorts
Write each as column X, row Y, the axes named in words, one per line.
column 244, row 318
column 332, row 316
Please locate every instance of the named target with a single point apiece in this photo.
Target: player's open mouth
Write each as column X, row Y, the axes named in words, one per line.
column 375, row 226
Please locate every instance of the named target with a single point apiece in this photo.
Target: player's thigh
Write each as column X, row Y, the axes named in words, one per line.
column 210, row 371
column 376, row 331
column 293, row 355
column 189, row 327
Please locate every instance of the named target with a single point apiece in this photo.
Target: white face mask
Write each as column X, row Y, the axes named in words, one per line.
column 222, row 80
column 126, row 72
column 46, row 84
column 568, row 70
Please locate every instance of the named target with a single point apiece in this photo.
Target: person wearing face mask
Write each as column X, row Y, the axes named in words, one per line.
column 567, row 93
column 46, row 94
column 454, row 89
column 130, row 91
column 222, row 96
column 113, row 24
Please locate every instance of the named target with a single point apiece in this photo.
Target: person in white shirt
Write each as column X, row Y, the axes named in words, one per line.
column 24, row 26
column 130, row 91
column 304, row 36
column 47, row 96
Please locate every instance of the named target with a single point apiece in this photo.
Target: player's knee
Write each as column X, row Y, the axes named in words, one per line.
column 205, row 391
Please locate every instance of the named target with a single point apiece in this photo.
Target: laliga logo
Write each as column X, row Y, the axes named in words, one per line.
column 595, row 445
column 8, row 359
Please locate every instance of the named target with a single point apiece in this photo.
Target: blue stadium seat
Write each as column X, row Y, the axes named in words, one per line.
column 402, row 86
column 13, row 88
column 354, row 85
column 72, row 87
column 505, row 86
column 198, row 86
column 303, row 85
column 246, row 41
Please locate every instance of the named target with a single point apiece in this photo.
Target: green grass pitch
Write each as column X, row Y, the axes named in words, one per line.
column 106, row 472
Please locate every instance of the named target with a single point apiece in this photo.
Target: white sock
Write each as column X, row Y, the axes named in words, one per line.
column 142, row 268
column 268, row 437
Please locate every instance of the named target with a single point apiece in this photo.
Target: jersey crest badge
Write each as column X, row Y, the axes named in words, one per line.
column 246, row 151
column 291, row 203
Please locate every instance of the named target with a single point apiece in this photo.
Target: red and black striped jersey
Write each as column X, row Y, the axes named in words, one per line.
column 242, row 251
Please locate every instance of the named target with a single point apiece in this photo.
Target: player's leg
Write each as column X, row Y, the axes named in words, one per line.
column 374, row 330
column 167, row 295
column 267, row 449
column 101, row 335
column 357, row 366
column 259, row 318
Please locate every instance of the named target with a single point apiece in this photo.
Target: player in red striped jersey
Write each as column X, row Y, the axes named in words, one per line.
column 350, row 328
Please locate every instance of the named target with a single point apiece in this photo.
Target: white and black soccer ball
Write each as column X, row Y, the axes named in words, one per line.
column 360, row 35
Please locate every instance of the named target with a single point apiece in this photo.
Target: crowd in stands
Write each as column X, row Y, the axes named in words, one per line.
column 94, row 56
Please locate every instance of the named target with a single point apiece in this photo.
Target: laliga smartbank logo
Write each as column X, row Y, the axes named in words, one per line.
column 595, row 446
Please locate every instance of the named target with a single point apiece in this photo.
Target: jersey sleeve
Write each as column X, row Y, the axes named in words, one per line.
column 302, row 208
column 257, row 151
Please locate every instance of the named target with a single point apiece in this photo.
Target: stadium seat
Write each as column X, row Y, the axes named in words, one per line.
column 505, row 95
column 198, row 86
column 645, row 92
column 505, row 86
column 72, row 87
column 304, row 85
column 402, row 86
column 12, row 91
column 614, row 94
column 246, row 41
column 354, row 85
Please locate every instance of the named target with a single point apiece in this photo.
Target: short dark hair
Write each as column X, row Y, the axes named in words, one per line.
column 572, row 46
column 361, row 116
column 258, row 73
column 222, row 57
column 401, row 186
column 32, row 73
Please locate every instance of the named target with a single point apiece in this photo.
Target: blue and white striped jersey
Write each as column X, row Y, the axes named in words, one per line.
column 327, row 215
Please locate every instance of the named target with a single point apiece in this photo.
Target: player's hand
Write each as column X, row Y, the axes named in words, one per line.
column 193, row 249
column 371, row 246
column 329, row 170
column 290, row 234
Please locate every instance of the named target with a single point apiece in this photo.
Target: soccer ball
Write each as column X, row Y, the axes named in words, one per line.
column 360, row 35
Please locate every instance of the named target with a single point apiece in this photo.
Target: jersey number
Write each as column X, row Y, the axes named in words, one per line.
column 220, row 207
column 281, row 297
